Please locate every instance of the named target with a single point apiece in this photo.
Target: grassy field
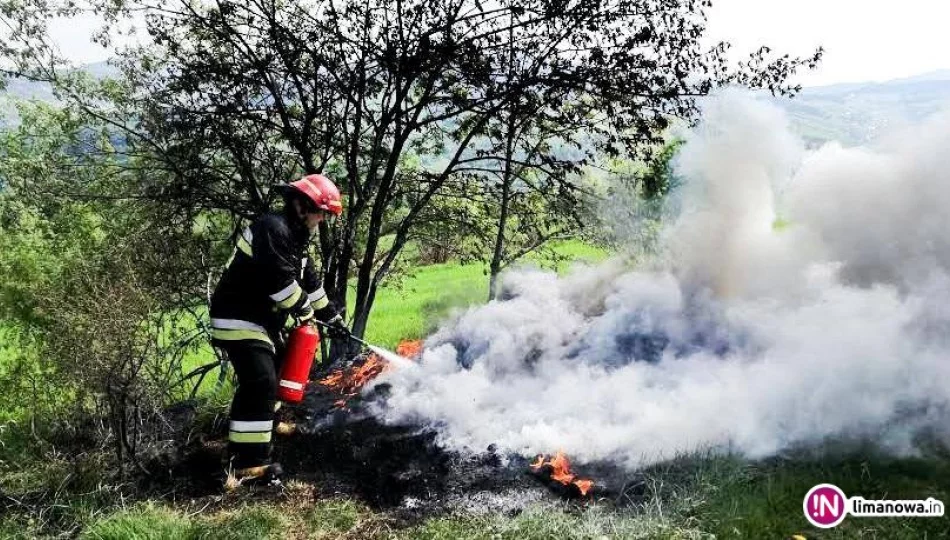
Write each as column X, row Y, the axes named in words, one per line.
column 695, row 496
column 346, row 519
column 415, row 306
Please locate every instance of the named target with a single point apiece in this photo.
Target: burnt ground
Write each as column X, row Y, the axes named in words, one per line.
column 400, row 469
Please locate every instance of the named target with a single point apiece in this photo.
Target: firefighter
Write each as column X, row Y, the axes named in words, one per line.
column 269, row 284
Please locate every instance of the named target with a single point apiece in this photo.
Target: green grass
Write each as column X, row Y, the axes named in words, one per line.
column 764, row 500
column 569, row 251
column 553, row 522
column 333, row 517
column 153, row 521
column 413, row 307
column 249, row 523
column 695, row 496
column 339, row 518
column 147, row 522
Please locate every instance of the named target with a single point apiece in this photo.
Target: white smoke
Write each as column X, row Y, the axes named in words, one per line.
column 753, row 338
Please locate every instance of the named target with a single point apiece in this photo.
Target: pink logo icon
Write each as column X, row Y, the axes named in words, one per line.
column 825, row 506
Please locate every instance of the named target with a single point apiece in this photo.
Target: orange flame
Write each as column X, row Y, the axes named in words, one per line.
column 584, row 485
column 560, row 471
column 348, row 382
column 409, row 348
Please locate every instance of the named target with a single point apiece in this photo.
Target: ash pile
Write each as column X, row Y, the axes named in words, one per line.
column 344, row 449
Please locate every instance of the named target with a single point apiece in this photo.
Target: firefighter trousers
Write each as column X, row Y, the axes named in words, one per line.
column 252, row 409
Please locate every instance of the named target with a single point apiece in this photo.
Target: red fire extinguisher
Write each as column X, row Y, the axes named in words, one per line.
column 301, row 348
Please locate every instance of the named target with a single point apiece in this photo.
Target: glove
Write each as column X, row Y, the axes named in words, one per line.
column 327, row 314
column 336, row 328
column 305, row 316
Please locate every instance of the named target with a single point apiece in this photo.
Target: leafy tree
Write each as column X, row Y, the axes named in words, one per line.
column 657, row 178
column 533, row 178
column 231, row 98
column 630, row 202
column 42, row 233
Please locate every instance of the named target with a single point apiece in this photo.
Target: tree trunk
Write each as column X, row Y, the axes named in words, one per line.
column 506, row 181
column 365, row 286
column 499, row 249
column 362, row 317
column 336, row 282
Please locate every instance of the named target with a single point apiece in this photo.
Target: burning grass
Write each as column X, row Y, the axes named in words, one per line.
column 695, row 496
column 415, row 489
column 409, row 348
column 349, row 382
column 558, row 469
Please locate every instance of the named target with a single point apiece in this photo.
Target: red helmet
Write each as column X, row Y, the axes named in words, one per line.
column 321, row 191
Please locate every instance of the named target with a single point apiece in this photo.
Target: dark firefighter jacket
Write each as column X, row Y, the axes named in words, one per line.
column 268, row 281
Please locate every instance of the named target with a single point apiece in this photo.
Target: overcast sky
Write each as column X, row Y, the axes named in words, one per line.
column 865, row 40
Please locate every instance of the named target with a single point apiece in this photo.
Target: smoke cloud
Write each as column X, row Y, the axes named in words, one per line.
column 802, row 295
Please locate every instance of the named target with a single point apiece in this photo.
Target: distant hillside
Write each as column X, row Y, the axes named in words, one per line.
column 850, row 113
column 24, row 89
column 856, row 113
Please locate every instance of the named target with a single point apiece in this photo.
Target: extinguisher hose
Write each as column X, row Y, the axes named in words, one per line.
column 350, row 336
column 389, row 355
